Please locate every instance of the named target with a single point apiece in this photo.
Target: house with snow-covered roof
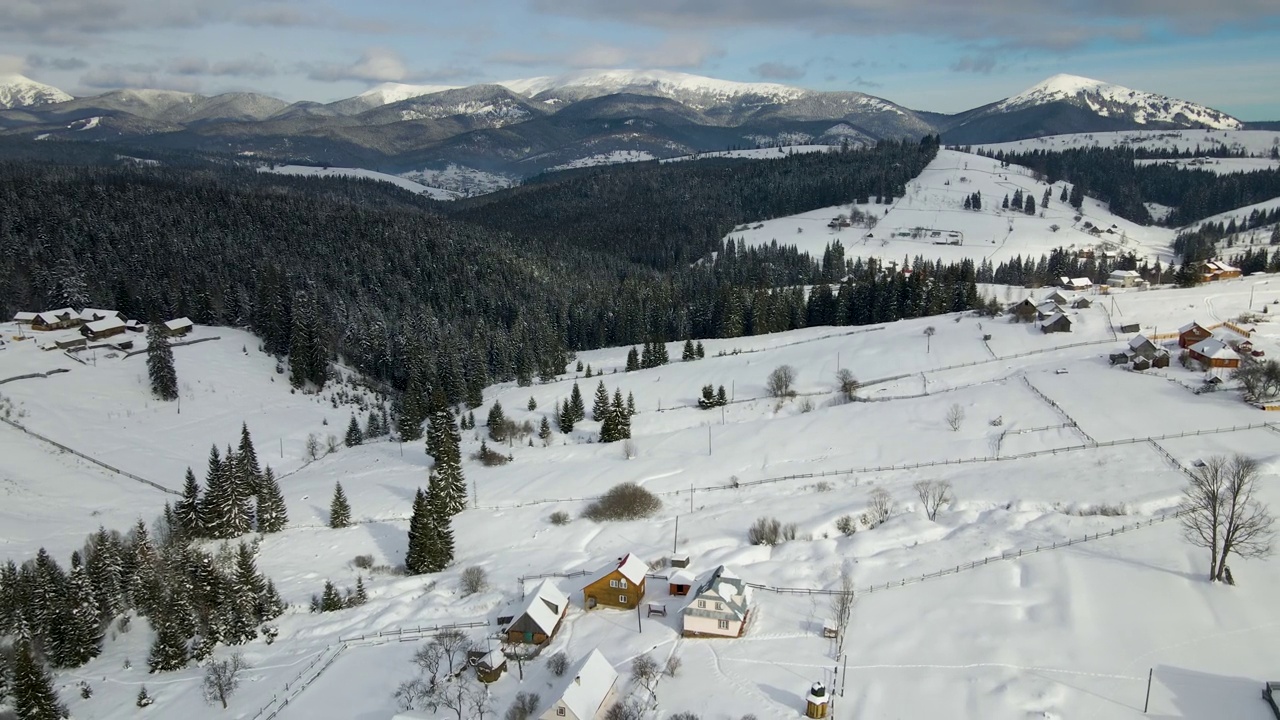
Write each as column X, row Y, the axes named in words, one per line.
column 178, row 327
column 89, row 315
column 55, row 319
column 105, row 328
column 1079, row 284
column 619, row 584
column 1214, row 270
column 720, row 607
column 1214, row 354
column 24, row 317
column 586, row 691
column 1192, row 333
column 537, row 618
column 1057, row 322
column 1125, row 279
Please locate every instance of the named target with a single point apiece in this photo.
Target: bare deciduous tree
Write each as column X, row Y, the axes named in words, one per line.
column 841, row 606
column 625, row 710
column 474, row 580
column 847, row 383
column 780, row 382
column 879, row 509
column 955, row 416
column 429, row 658
column 222, row 678
column 454, row 645
column 645, row 671
column 558, row 664
column 933, row 495
column 1220, row 513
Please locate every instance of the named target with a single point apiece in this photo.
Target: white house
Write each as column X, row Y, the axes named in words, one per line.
column 720, row 607
column 1125, row 279
column 178, row 326
column 586, row 691
column 1079, row 284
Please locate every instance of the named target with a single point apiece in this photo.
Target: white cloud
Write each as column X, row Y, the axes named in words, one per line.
column 375, row 65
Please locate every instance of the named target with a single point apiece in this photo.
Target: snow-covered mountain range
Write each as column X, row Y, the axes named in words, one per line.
column 523, row 126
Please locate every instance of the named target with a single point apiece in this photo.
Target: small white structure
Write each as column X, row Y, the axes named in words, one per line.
column 720, row 607
column 24, row 317
column 1079, row 284
column 178, row 326
column 587, row 689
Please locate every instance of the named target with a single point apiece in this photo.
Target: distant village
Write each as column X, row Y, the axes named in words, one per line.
column 94, row 324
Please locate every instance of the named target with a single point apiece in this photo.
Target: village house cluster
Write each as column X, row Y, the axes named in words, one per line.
column 94, row 324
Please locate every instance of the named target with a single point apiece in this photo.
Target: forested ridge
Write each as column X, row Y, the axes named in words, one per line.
column 382, row 278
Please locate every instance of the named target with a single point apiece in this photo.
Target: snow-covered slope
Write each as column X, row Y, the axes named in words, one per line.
column 1107, row 99
column 1257, row 143
column 935, row 203
column 1064, row 632
column 434, row 193
column 395, row 92
column 18, row 91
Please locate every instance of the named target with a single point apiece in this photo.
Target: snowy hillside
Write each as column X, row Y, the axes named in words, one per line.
column 434, row 193
column 1106, row 100
column 18, row 91
column 764, row 153
column 391, row 92
column 1218, row 166
column 1061, row 633
column 934, row 203
column 662, row 83
column 1256, row 143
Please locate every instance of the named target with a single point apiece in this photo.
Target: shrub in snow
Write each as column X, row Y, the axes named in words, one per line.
column 684, row 716
column 559, row 517
column 525, row 706
column 846, row 525
column 474, row 580
column 558, row 664
column 879, row 510
column 769, row 531
column 627, row 501
column 673, row 666
column 364, row 562
column 780, row 382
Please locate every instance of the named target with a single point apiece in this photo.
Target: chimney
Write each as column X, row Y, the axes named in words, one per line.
column 577, row 679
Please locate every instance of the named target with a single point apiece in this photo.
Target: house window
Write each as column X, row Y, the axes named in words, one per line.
column 702, row 603
column 724, row 624
column 719, row 606
column 613, row 583
column 560, row 712
column 622, row 584
column 622, row 599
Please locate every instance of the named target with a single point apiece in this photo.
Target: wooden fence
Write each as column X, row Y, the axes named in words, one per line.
column 93, row 460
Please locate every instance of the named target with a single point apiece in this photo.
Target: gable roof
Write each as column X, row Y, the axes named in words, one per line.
column 1124, row 273
column 629, row 566
column 1191, row 326
column 110, row 323
column 681, row 577
column 1214, row 348
column 1056, row 317
column 543, row 606
column 586, row 685
column 1139, row 341
column 23, row 316
column 52, row 316
column 91, row 314
column 724, row 586
column 178, row 323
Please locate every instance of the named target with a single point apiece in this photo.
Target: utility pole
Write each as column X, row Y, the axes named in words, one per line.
column 676, row 539
column 690, row 496
column 1146, row 703
column 708, row 438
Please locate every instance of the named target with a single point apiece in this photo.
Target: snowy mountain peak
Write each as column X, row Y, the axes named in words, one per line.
column 664, row 83
column 20, row 91
column 1110, row 100
column 391, row 92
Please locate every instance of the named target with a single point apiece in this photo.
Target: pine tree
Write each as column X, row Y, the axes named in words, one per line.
column 145, row 587
column 708, row 399
column 1030, row 204
column 187, row 511
column 442, row 545
column 1063, row 197
column 82, row 635
column 354, row 435
column 544, row 434
column 631, row 404
column 33, row 695
column 272, row 605
column 444, row 444
column 216, row 493
column 247, row 466
column 576, row 405
column 169, row 648
column 699, row 351
column 497, row 422
column 564, row 417
column 688, row 353
column 1077, row 196
column 633, row 360
column 104, row 565
column 236, row 508
column 164, row 377
column 247, row 589
column 1044, row 200
column 422, row 532
column 272, row 513
column 589, row 374
column 330, row 600
column 646, row 356
column 721, row 398
column 601, row 404
column 624, row 418
column 1005, row 204
column 339, row 509
column 361, row 596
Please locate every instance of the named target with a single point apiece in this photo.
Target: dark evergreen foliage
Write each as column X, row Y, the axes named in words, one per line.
column 164, row 377
column 272, row 514
column 33, row 695
column 339, row 509
column 355, row 436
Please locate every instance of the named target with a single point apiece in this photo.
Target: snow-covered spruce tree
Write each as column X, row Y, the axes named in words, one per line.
column 442, row 544
column 272, row 514
column 497, row 422
column 412, row 407
column 354, row 435
column 33, row 695
column 247, row 467
column 576, row 405
column 417, row 559
column 631, row 405
column 564, row 418
column 688, row 352
column 373, row 426
column 169, row 649
column 544, row 431
column 249, row 594
column 164, row 377
column 531, row 405
column 216, row 494
column 633, row 360
column 444, row 446
column 187, row 511
column 145, row 589
column 699, row 351
column 82, row 637
column 237, row 516
column 624, row 417
column 339, row 509
column 104, row 563
column 601, row 404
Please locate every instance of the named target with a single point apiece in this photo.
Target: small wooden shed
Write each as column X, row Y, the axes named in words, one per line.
column 489, row 666
column 680, row 582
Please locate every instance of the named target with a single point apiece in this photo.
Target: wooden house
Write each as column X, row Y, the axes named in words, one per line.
column 1024, row 311
column 1079, row 284
column 24, row 318
column 680, row 582
column 1058, row 322
column 489, row 665
column 134, row 326
column 585, row 692
column 71, row 344
column 1047, row 309
column 1141, row 363
column 538, row 617
column 1214, row 354
column 721, row 607
column 1141, row 346
column 89, row 315
column 1192, row 333
column 1214, row 270
column 1130, row 328
column 178, row 327
column 619, row 584
column 99, row 329
column 680, row 560
column 1058, row 297
column 55, row 319
column 1081, row 303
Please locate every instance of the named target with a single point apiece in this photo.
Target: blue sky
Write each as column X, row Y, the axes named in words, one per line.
column 940, row 55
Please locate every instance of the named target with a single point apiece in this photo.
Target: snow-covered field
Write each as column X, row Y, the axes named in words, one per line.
column 1256, row 143
column 1220, row 166
column 764, row 153
column 934, row 202
column 609, row 158
column 461, row 180
column 1064, row 633
column 434, row 193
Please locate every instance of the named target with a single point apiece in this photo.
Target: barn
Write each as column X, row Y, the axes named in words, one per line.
column 536, row 620
column 1058, row 322
column 99, row 329
column 1192, row 333
column 178, row 327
